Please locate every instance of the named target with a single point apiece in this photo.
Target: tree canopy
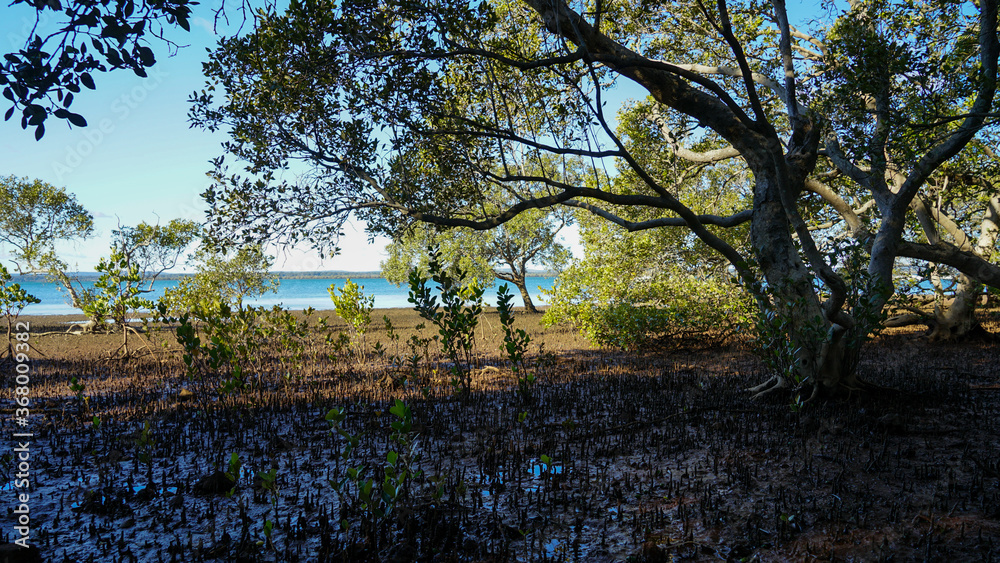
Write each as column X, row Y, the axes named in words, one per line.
column 154, row 249
column 420, row 110
column 504, row 252
column 138, row 256
column 34, row 215
column 221, row 279
column 72, row 40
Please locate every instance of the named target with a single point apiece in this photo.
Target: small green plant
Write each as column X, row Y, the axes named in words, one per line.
column 144, row 443
column 375, row 499
column 352, row 305
column 78, row 387
column 269, row 482
column 233, row 473
column 545, row 471
column 515, row 343
column 456, row 317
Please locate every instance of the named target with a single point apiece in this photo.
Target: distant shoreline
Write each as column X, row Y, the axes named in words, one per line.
column 317, row 275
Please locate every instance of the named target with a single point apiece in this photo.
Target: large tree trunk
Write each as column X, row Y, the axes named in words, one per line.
column 815, row 346
column 957, row 319
column 529, row 305
column 952, row 319
column 519, row 279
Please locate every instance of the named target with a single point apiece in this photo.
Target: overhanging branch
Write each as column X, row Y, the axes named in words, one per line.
column 633, row 226
column 967, row 262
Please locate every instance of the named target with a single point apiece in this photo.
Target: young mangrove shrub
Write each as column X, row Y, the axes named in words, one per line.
column 374, row 498
column 269, row 482
column 630, row 312
column 456, row 318
column 117, row 294
column 515, row 342
column 13, row 300
column 218, row 341
column 228, row 348
column 352, row 305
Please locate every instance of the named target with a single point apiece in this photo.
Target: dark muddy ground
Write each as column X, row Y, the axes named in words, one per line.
column 613, row 457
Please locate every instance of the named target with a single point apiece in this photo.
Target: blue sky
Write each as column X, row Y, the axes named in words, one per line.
column 137, row 160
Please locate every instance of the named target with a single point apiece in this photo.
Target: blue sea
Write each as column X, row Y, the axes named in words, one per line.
column 293, row 293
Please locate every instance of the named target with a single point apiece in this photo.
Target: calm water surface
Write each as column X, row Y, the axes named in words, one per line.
column 292, row 294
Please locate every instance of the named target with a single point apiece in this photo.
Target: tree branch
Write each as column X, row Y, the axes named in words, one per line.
column 989, row 51
column 844, row 209
column 666, row 83
column 967, row 262
column 633, row 226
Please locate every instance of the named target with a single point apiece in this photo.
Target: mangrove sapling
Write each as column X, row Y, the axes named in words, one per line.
column 365, row 496
column 405, row 368
column 515, row 343
column 419, row 347
column 13, row 300
column 78, row 387
column 117, row 295
column 456, row 318
column 338, row 342
column 268, row 482
column 144, row 443
column 233, row 473
column 352, row 305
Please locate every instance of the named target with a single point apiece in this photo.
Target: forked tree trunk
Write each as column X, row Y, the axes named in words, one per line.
column 816, row 346
column 954, row 319
column 519, row 280
column 957, row 319
column 529, row 305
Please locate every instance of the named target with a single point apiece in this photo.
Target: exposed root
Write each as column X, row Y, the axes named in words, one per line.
column 129, row 354
column 813, row 395
column 906, row 320
column 773, row 385
column 818, row 391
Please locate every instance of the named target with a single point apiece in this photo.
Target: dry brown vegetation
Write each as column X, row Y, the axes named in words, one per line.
column 657, row 456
